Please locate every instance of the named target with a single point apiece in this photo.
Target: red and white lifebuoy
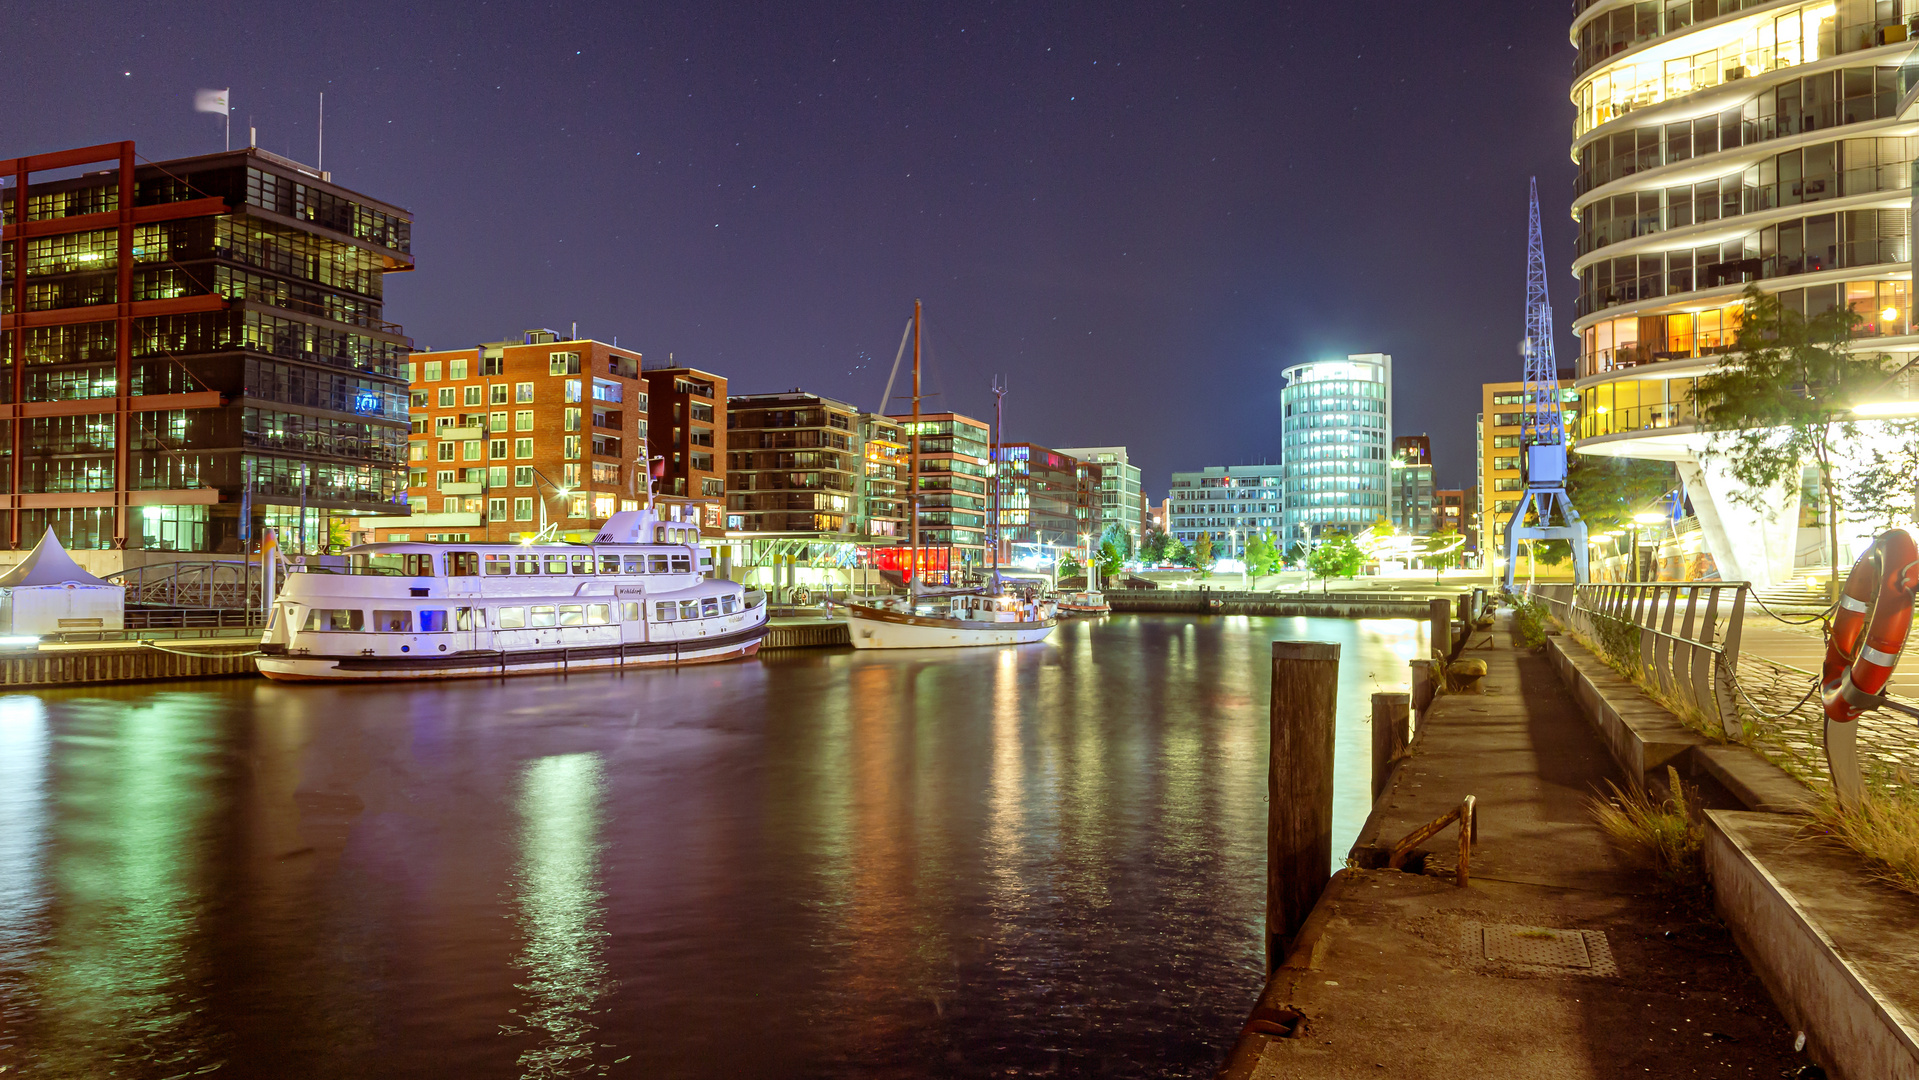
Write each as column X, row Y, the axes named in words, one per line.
column 1869, row 629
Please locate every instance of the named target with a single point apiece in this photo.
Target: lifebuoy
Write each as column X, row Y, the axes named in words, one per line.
column 1869, row 629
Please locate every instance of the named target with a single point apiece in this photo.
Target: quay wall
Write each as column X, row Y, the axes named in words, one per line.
column 132, row 663
column 1226, row 602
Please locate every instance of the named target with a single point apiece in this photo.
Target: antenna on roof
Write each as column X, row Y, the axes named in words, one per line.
column 319, row 164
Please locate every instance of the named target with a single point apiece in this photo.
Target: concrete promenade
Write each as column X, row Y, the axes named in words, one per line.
column 1561, row 958
column 1803, row 645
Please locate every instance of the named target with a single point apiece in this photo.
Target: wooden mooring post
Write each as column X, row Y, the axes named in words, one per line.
column 1391, row 726
column 1299, row 788
column 1440, row 611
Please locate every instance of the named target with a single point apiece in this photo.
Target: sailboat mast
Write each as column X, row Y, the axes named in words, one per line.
column 913, row 472
column 999, row 433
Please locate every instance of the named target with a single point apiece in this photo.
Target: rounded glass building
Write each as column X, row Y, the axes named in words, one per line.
column 1336, row 425
column 1721, row 143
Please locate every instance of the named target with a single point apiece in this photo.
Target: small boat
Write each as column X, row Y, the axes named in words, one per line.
column 637, row 595
column 1084, row 603
column 998, row 616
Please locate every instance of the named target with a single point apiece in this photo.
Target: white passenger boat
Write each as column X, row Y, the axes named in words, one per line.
column 636, row 595
column 1091, row 602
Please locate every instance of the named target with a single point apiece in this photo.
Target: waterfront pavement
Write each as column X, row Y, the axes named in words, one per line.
column 1803, row 645
column 1404, row 974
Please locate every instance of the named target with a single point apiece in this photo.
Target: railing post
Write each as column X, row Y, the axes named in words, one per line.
column 1723, row 692
column 1299, row 788
column 1686, row 653
column 1663, row 652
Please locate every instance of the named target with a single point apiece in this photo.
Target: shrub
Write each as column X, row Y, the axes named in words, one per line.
column 1661, row 831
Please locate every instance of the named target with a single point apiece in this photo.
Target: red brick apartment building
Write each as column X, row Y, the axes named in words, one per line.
column 688, row 417
column 515, row 434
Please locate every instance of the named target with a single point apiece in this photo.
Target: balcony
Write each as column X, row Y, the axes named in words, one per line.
column 460, row 434
column 462, row 489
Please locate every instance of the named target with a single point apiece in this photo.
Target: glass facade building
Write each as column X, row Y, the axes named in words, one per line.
column 1721, row 144
column 954, row 453
column 1041, row 495
column 1227, row 502
column 1116, row 490
column 1412, row 485
column 197, row 349
column 1335, row 420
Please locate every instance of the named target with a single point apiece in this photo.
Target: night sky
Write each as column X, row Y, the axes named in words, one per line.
column 1138, row 213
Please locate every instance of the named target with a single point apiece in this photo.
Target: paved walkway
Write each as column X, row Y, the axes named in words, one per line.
column 1399, row 983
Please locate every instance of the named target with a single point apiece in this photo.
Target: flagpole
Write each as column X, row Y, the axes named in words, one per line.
column 226, row 98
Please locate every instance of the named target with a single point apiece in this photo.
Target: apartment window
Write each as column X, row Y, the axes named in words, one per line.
column 474, row 394
column 704, row 412
column 446, row 451
column 447, row 397
column 572, row 389
column 496, row 449
column 432, row 371
column 475, row 476
column 416, row 478
column 605, row 472
column 416, row 451
column 602, row 505
column 1505, row 442
column 496, row 421
column 413, row 373
column 572, row 447
column 563, row 363
column 570, row 476
column 1508, row 483
column 576, row 506
column 496, row 476
column 1507, row 419
column 449, row 506
column 417, row 426
column 493, row 364
column 500, row 392
column 522, row 509
column 572, row 422
column 522, row 448
column 523, row 476
column 523, row 420
column 416, row 399
column 1510, row 462
column 703, row 462
column 523, row 392
column 474, row 450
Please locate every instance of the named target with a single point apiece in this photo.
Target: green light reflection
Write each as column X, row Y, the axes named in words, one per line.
column 562, row 913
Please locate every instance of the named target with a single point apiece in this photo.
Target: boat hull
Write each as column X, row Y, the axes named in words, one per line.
column 496, row 664
column 873, row 628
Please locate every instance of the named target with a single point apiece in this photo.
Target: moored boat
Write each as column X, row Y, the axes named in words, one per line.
column 949, row 622
column 637, row 595
column 1092, row 602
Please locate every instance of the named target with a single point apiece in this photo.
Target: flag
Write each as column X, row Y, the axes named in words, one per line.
column 213, row 101
column 659, row 468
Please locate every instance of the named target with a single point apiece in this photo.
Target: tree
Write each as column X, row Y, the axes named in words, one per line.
column 1178, row 553
column 1334, row 556
column 1069, row 567
column 1882, row 484
column 1152, row 545
column 1111, row 562
column 1443, row 549
column 1121, row 540
column 1296, row 555
column 1608, row 491
column 1781, row 401
column 1203, row 555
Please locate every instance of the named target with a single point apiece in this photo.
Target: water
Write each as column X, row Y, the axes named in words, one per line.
column 1043, row 860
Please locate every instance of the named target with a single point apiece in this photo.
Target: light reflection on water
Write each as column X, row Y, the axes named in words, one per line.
column 1035, row 861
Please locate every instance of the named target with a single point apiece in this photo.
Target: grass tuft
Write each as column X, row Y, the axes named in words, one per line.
column 1884, row 828
column 1529, row 623
column 1661, row 831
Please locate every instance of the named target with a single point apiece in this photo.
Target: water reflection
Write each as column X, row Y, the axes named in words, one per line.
column 561, row 912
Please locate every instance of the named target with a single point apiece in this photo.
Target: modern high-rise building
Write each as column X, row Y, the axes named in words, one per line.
column 1411, row 476
column 512, row 436
column 688, row 421
column 1721, row 144
column 1118, row 493
column 1041, row 496
column 198, row 350
column 1336, row 422
column 1228, row 503
column 794, row 466
column 954, row 452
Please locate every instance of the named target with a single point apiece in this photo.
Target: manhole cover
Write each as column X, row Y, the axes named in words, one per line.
column 1540, row 948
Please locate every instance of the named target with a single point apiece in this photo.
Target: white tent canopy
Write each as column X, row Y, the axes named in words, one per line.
column 49, row 592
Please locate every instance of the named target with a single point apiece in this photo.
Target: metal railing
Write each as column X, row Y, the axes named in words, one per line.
column 229, row 584
column 1681, row 637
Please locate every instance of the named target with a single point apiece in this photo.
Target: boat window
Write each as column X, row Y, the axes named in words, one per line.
column 512, row 618
column 609, row 564
column 726, row 604
column 393, row 622
column 630, row 611
column 571, row 615
column 335, row 619
column 656, row 564
column 540, row 615
column 598, row 615
column 526, row 564
column 419, row 564
column 583, row 563
column 497, row 565
column 556, row 563
column 434, row 622
column 636, row 564
column 663, row 611
column 710, row 606
column 462, row 563
column 682, row 564
column 395, row 565
column 463, row 618
column 689, row 609
column 659, row 534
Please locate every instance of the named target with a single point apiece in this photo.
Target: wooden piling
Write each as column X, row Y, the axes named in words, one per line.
column 1390, row 734
column 1440, row 611
column 1425, row 685
column 1299, row 788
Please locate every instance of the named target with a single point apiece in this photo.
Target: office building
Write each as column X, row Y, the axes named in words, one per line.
column 198, row 350
column 1042, row 496
column 687, row 414
column 882, row 505
column 1118, row 499
column 1453, row 509
column 510, row 437
column 1717, row 149
column 1336, row 416
column 1411, row 483
column 1502, row 480
column 954, row 453
column 1228, row 503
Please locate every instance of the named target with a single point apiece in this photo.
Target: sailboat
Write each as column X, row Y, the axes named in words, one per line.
column 922, row 620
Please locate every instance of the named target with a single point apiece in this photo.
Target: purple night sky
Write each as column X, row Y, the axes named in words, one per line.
column 1137, row 212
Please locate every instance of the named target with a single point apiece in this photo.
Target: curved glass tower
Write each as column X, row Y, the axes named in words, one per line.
column 1336, row 432
column 1721, row 143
